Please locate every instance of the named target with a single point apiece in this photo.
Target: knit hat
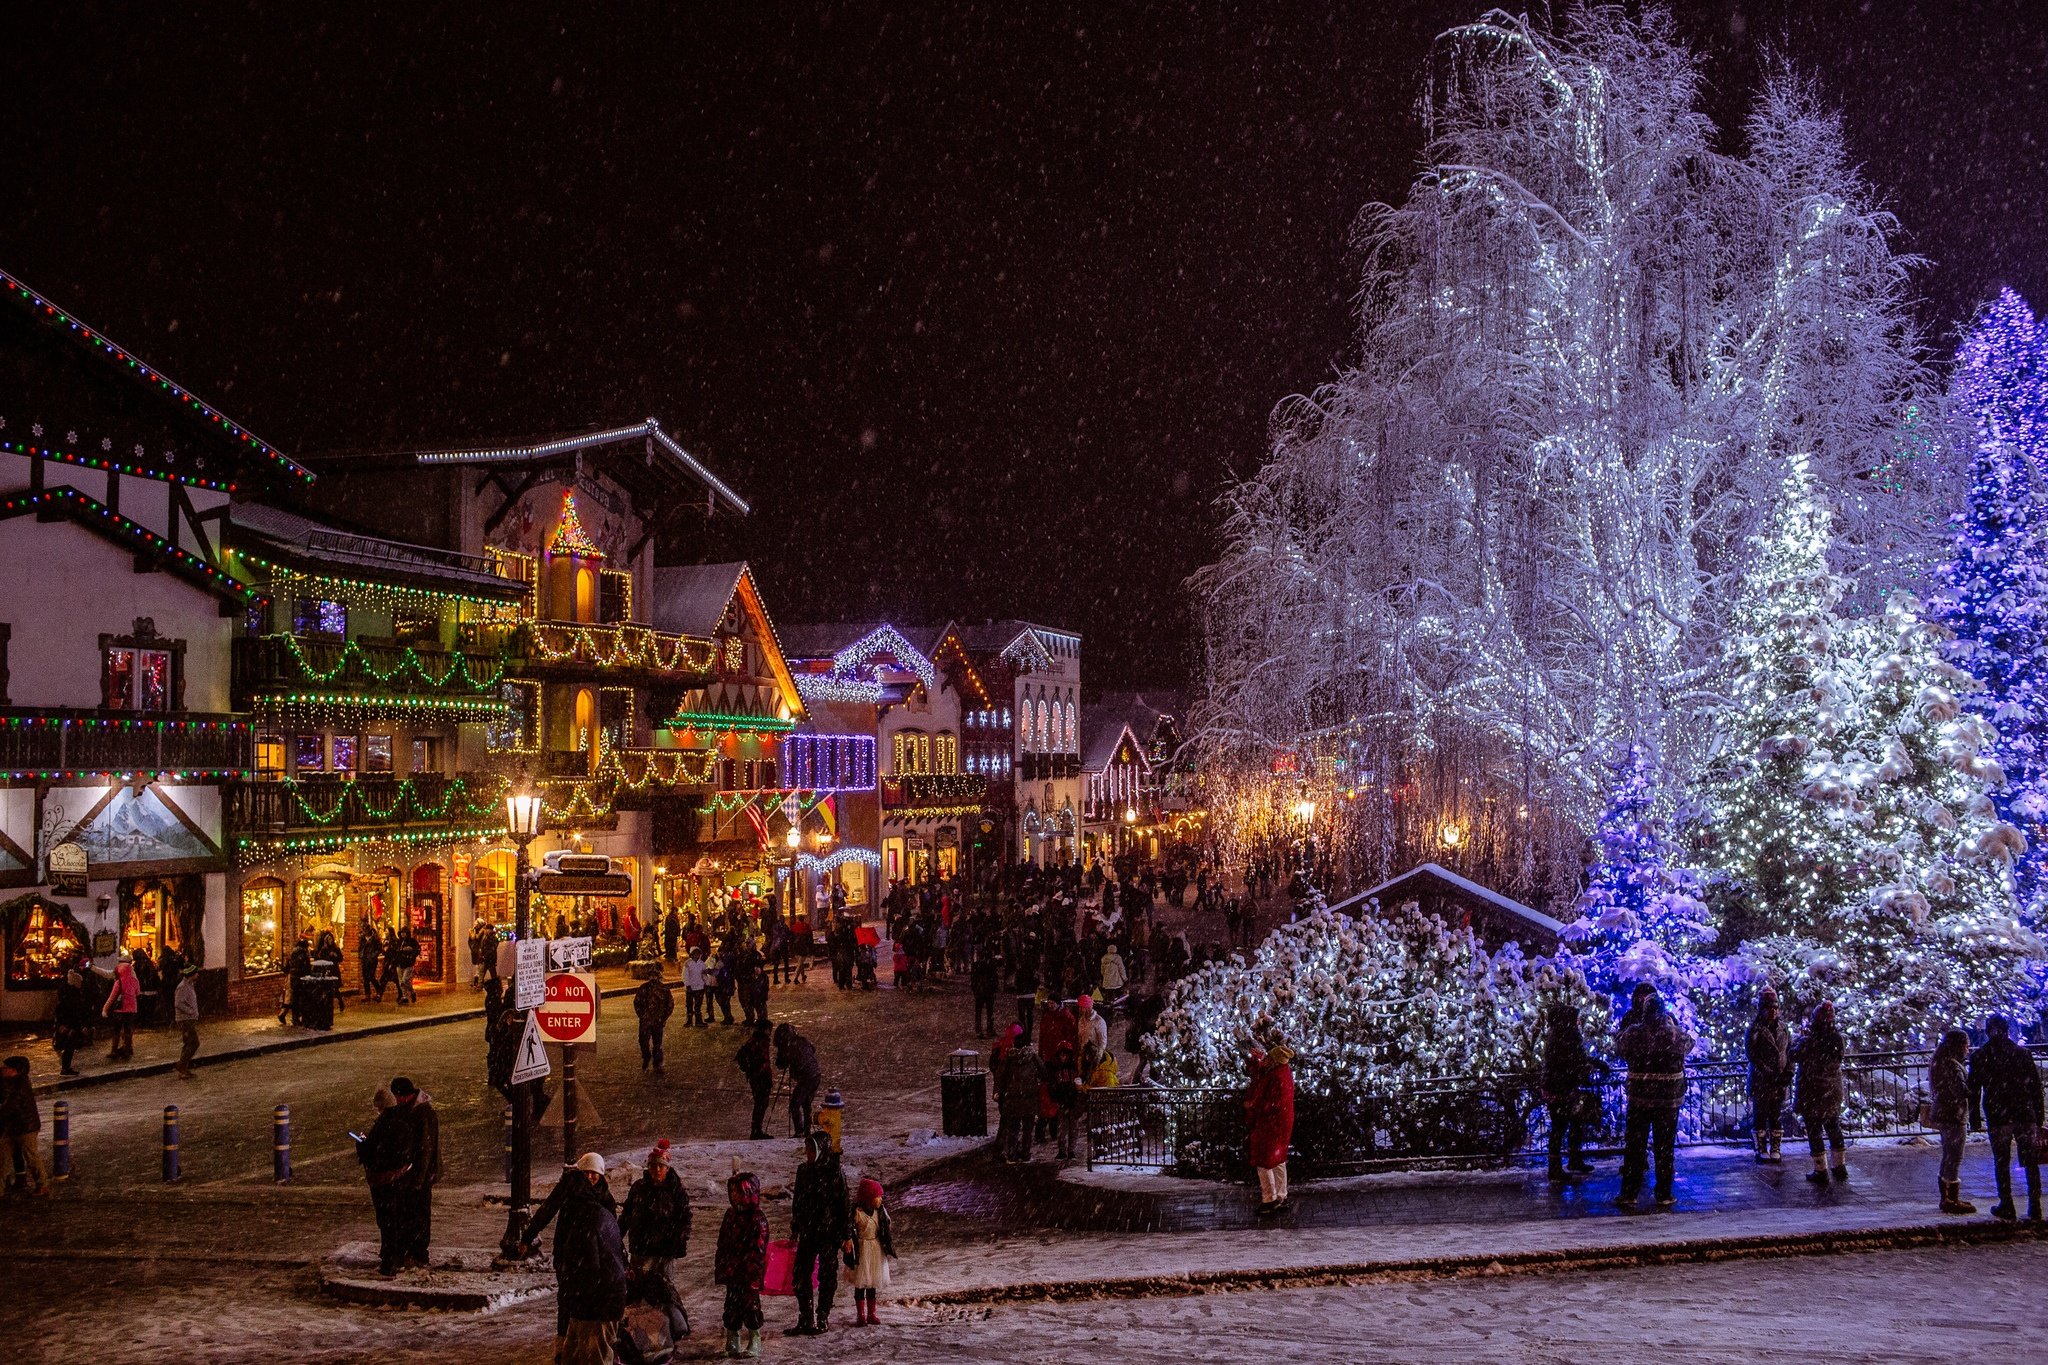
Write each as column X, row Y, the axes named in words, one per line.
column 402, row 1086
column 870, row 1189
column 659, row 1151
column 592, row 1162
column 1086, row 1002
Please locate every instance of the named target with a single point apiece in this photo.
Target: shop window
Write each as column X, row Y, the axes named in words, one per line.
column 426, row 754
column 269, row 755
column 262, row 919
column 346, row 753
column 376, row 753
column 323, row 905
column 317, row 616
column 490, row 884
column 40, row 944
column 309, row 753
column 947, row 757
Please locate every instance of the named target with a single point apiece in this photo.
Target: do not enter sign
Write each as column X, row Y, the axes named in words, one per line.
column 569, row 1013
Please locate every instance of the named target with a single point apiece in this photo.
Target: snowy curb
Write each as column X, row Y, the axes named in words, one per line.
column 1620, row 1256
column 274, row 1045
column 460, row 1280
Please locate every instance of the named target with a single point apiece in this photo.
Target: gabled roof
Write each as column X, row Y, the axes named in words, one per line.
column 1106, row 720
column 300, row 543
column 1100, row 739
column 1000, row 637
column 691, row 599
column 57, row 369
column 1351, row 904
column 131, row 536
column 647, row 432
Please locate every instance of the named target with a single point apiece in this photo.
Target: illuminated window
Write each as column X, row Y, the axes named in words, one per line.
column 376, row 753
column 345, row 753
column 316, row 616
column 896, row 754
column 270, row 755
column 309, row 753
column 40, row 946
column 136, row 680
column 262, row 918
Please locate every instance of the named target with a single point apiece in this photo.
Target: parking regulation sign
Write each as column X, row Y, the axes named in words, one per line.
column 569, row 1013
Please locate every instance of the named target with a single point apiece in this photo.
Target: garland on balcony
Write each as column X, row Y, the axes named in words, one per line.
column 718, row 721
column 617, row 646
column 404, row 793
column 724, row 803
column 410, row 663
column 350, row 708
column 251, row 850
column 285, row 585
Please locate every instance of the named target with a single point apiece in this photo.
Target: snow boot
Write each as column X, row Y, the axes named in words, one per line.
column 1763, row 1145
column 804, row 1327
column 1819, row 1174
column 732, row 1343
column 1777, row 1147
column 1952, row 1200
column 2004, row 1212
column 1841, row 1172
column 753, row 1344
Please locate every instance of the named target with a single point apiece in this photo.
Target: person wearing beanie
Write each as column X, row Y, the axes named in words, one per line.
column 656, row 1218
column 742, row 1263
column 818, row 1221
column 868, row 1251
column 1769, row 1046
column 423, row 1168
column 590, row 1263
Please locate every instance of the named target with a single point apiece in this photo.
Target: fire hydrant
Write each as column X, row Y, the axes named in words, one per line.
column 832, row 1117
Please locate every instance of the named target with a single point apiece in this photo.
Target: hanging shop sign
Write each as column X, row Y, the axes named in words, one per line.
column 68, row 870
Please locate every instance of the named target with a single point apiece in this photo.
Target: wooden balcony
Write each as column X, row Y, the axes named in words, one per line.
column 624, row 654
column 337, row 804
column 45, row 742
column 273, row 665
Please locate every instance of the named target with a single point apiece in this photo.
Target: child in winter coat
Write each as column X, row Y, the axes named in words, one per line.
column 869, row 1251
column 742, row 1263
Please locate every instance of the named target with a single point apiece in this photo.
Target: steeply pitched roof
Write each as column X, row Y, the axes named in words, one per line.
column 690, row 599
column 1351, row 904
column 97, row 402
column 149, row 548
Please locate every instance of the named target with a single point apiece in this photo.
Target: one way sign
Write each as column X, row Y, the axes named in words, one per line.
column 532, row 1061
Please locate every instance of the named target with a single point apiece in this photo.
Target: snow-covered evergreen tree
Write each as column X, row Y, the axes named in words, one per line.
column 1370, row 1003
column 1856, row 849
column 1996, row 599
column 1641, row 917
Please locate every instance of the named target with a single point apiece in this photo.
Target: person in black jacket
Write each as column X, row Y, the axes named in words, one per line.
column 590, row 1261
column 756, row 1059
column 653, row 1003
column 73, row 1020
column 2005, row 1093
column 369, row 950
column 1567, row 1093
column 983, row 979
column 656, row 1219
column 1819, row 1094
column 819, row 1222
column 1768, row 1047
column 386, row 1152
column 1654, row 1047
column 796, row 1055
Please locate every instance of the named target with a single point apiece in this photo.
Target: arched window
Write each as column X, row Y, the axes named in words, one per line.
column 1045, row 739
column 1073, row 732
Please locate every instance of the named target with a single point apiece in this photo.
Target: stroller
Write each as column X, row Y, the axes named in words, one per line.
column 656, row 1324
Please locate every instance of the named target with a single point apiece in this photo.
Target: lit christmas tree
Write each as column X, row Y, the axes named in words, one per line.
column 1997, row 598
column 1848, row 819
column 1642, row 919
column 1367, row 1004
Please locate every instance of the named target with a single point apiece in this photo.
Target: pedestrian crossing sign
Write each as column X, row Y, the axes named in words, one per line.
column 532, row 1061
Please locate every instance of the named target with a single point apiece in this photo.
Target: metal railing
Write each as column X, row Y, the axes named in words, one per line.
column 1463, row 1120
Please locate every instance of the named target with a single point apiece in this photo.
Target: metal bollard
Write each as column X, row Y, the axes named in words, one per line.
column 508, row 1143
column 281, row 1144
column 60, row 1140
column 171, row 1172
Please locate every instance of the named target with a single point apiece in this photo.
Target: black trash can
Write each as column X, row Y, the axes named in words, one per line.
column 1027, row 1013
column 963, row 1095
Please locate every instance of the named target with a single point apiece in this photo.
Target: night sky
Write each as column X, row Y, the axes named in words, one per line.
column 981, row 305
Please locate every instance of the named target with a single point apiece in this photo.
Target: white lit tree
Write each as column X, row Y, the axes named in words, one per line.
column 1369, row 1003
column 1847, row 820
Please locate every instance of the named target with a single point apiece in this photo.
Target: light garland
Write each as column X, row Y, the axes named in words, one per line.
column 404, row 794
column 286, row 584
column 886, row 640
column 938, row 812
column 725, row 723
column 253, row 850
column 94, row 462
column 838, row 858
column 409, row 662
column 107, row 346
column 622, row 646
column 823, row 687
column 570, row 537
column 830, row 762
column 135, row 531
column 347, row 706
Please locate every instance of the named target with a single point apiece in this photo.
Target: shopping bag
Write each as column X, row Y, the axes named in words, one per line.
column 781, row 1276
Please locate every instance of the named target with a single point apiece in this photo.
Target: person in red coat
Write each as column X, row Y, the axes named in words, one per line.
column 1269, row 1104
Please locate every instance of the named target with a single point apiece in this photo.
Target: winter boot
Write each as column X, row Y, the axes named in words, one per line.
column 2004, row 1212
column 804, row 1326
column 1841, row 1169
column 1763, row 1148
column 2033, row 1207
column 874, row 1321
column 732, row 1343
column 1819, row 1174
column 1952, row 1200
column 753, row 1343
column 1777, row 1148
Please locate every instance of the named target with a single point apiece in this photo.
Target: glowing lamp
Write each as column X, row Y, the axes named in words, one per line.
column 1304, row 810
column 522, row 816
column 1452, row 834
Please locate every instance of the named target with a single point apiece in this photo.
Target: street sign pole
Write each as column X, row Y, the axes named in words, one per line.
column 520, row 1196
column 569, row 1152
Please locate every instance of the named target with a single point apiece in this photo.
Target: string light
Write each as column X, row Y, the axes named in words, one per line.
column 95, row 513
column 71, row 457
column 618, row 647
column 570, row 537
column 838, row 858
column 107, row 346
column 727, row 723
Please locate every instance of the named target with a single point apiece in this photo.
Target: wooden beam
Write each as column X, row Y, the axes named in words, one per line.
column 511, row 499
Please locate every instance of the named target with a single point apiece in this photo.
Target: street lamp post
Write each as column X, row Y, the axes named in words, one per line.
column 523, row 812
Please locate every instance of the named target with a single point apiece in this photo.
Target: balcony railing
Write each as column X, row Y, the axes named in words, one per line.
column 1048, row 767
column 933, row 789
column 269, row 664
column 335, row 803
column 622, row 651
column 41, row 742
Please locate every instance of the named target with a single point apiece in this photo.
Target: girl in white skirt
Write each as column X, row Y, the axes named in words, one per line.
column 869, row 1251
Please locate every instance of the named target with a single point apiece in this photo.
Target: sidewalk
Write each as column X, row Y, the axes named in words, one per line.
column 1135, row 1235
column 223, row 1039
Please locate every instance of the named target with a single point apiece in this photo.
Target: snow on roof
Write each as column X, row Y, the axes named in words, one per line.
column 648, row 430
column 690, row 599
column 1471, row 888
column 317, row 547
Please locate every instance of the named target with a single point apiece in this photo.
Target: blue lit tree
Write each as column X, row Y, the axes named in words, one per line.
column 1641, row 918
column 1997, row 600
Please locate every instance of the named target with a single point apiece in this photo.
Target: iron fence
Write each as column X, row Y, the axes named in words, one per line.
column 1468, row 1121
